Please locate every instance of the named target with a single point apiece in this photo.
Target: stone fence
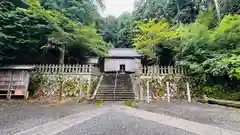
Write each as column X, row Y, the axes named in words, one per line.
column 162, row 70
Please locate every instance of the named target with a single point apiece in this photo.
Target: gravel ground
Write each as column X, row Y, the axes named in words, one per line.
column 118, row 123
column 19, row 116
column 16, row 117
column 224, row 117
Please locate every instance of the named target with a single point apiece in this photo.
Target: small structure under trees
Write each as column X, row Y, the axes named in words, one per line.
column 14, row 80
column 122, row 59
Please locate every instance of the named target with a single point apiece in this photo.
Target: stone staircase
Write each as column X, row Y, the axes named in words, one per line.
column 123, row 89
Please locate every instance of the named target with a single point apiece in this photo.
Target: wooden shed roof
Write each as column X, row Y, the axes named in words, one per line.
column 18, row 67
column 123, row 52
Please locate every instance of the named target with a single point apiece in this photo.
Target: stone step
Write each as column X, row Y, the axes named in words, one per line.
column 114, row 99
column 116, row 93
column 116, row 89
column 112, row 89
column 109, row 87
column 112, row 86
column 112, row 83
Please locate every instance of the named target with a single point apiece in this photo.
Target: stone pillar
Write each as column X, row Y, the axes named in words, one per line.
column 138, row 89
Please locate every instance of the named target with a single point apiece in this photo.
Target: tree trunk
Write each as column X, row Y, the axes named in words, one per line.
column 61, row 61
column 216, row 2
column 62, row 54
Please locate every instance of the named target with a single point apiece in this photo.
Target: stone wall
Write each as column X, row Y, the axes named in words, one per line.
column 155, row 87
column 73, row 85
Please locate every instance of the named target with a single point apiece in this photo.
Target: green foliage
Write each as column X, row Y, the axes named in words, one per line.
column 98, row 103
column 182, row 11
column 175, row 11
column 211, row 91
column 131, row 103
column 160, row 92
column 40, row 32
column 24, row 41
column 35, row 82
column 209, row 48
column 218, row 92
column 70, row 87
column 150, row 34
column 84, row 11
column 117, row 31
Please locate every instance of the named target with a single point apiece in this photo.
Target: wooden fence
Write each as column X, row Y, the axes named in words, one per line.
column 67, row 69
column 161, row 70
column 87, row 69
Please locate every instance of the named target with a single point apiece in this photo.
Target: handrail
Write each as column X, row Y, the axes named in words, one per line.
column 96, row 90
column 115, row 85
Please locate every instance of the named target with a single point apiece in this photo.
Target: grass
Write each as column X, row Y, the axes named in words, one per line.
column 131, row 103
column 98, row 103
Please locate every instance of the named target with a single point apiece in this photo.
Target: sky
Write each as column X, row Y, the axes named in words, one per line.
column 117, row 7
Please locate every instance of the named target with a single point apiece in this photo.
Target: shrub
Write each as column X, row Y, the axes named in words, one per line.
column 36, row 80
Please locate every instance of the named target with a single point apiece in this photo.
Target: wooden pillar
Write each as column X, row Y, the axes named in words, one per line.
column 27, row 81
column 9, row 94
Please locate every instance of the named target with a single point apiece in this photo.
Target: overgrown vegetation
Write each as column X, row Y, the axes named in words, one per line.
column 35, row 83
column 207, row 46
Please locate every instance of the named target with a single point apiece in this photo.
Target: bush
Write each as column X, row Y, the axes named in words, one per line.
column 219, row 92
column 36, row 80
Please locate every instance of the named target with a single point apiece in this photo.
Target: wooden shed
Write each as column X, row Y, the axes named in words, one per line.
column 14, row 80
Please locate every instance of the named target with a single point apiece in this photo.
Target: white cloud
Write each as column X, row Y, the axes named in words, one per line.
column 117, row 7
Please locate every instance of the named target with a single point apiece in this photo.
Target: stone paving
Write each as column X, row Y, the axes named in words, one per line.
column 117, row 123
column 116, row 119
column 215, row 115
column 21, row 116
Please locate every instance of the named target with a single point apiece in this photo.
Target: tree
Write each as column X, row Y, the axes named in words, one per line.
column 85, row 11
column 211, row 53
column 109, row 29
column 21, row 35
column 151, row 33
column 175, row 11
column 125, row 31
column 50, row 30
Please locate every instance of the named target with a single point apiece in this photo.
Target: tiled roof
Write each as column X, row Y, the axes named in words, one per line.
column 123, row 52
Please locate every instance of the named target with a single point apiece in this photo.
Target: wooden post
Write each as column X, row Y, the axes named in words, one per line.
column 148, row 91
column 9, row 93
column 168, row 92
column 188, row 93
column 27, row 81
column 161, row 70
